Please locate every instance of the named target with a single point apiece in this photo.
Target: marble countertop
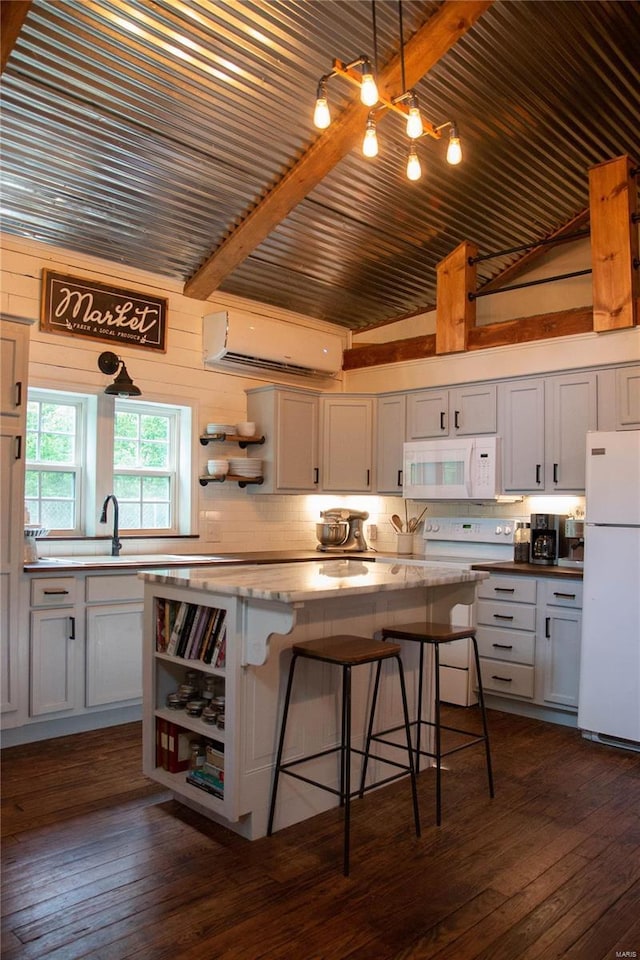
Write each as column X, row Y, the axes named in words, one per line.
column 295, row 582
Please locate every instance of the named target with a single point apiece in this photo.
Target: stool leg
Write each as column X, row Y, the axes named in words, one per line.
column 484, row 717
column 283, row 727
column 407, row 728
column 367, row 746
column 436, row 653
column 419, row 723
column 346, row 761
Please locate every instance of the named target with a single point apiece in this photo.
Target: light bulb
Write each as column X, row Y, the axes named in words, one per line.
column 414, row 170
column 414, row 124
column 321, row 115
column 370, row 142
column 454, row 150
column 368, row 89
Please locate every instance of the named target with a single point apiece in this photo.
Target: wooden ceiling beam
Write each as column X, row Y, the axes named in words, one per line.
column 12, row 15
column 427, row 46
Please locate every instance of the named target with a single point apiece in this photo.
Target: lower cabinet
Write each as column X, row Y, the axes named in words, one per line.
column 85, row 645
column 529, row 639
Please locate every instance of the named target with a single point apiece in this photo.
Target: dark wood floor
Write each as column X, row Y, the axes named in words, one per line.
column 98, row 862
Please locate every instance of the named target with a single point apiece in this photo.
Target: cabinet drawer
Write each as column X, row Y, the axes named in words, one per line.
column 514, row 679
column 564, row 594
column 121, row 587
column 506, row 645
column 53, row 592
column 517, row 616
column 519, row 589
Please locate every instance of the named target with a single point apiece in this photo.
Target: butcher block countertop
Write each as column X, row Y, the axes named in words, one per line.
column 531, row 570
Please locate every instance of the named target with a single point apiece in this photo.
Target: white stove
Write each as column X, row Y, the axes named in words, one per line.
column 462, row 542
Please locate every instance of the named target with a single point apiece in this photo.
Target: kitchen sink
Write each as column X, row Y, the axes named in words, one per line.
column 135, row 560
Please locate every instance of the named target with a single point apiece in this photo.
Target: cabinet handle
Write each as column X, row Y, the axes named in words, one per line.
column 442, row 419
column 501, row 616
column 565, row 596
column 547, row 622
column 399, row 478
column 538, row 467
column 18, row 447
column 368, row 476
column 502, row 646
column 55, row 593
column 555, row 473
column 19, row 393
column 72, row 635
column 494, row 676
column 505, row 589
column 316, row 474
column 456, row 419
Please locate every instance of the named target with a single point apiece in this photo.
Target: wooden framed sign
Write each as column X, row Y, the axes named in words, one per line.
column 86, row 308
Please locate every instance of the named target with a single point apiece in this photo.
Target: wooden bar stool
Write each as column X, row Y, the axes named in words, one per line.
column 427, row 632
column 346, row 651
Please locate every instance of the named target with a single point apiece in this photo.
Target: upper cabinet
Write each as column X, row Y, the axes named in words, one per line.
column 543, row 423
column 289, row 420
column 628, row 398
column 347, row 443
column 14, row 348
column 467, row 411
column 391, row 416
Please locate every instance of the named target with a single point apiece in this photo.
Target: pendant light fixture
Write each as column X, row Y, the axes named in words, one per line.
column 405, row 104
column 123, row 385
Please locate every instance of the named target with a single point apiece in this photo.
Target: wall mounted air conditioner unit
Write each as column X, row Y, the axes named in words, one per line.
column 240, row 340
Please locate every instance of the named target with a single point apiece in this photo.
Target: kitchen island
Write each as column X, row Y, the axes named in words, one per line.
column 260, row 611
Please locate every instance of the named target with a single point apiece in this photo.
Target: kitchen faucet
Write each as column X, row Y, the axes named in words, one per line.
column 115, row 543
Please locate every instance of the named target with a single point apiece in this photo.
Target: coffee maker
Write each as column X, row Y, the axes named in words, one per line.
column 547, row 538
column 573, row 555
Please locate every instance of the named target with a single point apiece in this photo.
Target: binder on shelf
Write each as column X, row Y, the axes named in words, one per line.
column 178, row 748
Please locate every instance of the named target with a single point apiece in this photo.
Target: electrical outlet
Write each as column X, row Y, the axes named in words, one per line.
column 373, row 531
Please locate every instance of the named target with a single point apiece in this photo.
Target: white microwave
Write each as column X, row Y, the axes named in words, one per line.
column 458, row 468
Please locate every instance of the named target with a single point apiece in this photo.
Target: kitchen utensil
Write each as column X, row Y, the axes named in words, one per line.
column 396, row 523
column 332, row 533
column 246, row 428
column 31, row 531
column 413, row 523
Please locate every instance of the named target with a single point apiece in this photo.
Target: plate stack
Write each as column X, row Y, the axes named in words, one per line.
column 245, row 467
column 217, row 428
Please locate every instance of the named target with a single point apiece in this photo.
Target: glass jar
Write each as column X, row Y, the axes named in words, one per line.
column 196, row 754
column 521, row 543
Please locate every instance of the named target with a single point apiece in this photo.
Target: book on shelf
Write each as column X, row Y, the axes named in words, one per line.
column 221, row 650
column 161, row 624
column 208, row 781
column 177, row 627
column 195, row 638
column 210, row 655
column 173, row 746
column 185, row 632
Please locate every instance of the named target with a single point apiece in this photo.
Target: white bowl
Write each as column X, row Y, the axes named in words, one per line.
column 246, row 429
column 218, row 468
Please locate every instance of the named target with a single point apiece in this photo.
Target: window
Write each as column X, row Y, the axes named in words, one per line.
column 81, row 448
column 54, row 475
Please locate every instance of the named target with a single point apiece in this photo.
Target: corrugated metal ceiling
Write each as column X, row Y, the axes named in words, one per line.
column 143, row 131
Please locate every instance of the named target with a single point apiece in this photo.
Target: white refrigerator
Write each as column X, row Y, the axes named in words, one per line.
column 609, row 696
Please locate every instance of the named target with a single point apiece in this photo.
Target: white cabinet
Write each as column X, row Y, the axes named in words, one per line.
column 85, row 645
column 529, row 639
column 391, row 412
column 55, row 647
column 113, row 651
column 289, row 420
column 544, row 423
column 506, row 635
column 14, row 348
column 470, row 411
column 628, row 398
column 347, row 443
column 559, row 647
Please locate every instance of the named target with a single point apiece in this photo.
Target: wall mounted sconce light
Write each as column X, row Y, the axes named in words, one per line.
column 123, row 385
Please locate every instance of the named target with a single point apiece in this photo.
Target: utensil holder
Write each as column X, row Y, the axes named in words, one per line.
column 405, row 543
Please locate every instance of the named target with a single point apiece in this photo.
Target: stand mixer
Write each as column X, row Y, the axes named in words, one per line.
column 342, row 531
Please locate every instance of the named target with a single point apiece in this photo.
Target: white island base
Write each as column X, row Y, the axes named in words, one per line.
column 268, row 608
